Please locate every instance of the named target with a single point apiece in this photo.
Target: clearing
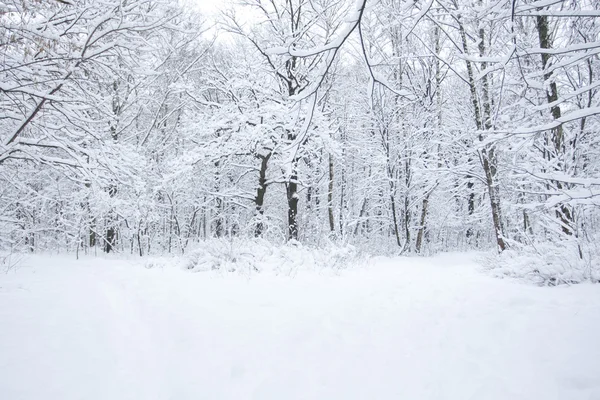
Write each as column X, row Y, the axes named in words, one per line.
column 402, row 328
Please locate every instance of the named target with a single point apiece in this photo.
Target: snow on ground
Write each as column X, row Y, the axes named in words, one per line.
column 403, row 328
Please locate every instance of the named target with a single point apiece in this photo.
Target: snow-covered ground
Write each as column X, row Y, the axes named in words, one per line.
column 404, row 328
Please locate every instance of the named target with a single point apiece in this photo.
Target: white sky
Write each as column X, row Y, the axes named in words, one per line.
column 209, row 7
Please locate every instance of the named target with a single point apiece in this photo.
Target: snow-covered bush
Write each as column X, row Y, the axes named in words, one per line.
column 548, row 264
column 250, row 256
column 9, row 260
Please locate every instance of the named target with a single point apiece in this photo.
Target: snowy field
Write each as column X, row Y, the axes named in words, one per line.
column 405, row 328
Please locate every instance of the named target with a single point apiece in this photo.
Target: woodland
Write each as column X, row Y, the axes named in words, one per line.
column 395, row 126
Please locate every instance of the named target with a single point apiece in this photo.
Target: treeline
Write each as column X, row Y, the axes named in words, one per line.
column 402, row 126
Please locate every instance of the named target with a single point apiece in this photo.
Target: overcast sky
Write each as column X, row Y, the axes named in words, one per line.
column 209, row 6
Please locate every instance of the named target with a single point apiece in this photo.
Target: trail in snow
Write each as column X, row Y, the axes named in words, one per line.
column 403, row 328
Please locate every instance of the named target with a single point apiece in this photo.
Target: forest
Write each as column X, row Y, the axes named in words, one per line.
column 299, row 199
column 395, row 126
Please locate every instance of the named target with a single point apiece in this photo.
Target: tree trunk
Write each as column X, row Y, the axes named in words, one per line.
column 330, row 197
column 395, row 218
column 111, row 232
column 261, row 190
column 393, row 208
column 488, row 153
column 219, row 224
column 92, row 232
column 438, row 98
column 292, row 198
column 421, row 232
column 563, row 212
column 487, row 157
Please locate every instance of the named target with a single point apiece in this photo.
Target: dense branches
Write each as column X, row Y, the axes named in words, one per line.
column 416, row 126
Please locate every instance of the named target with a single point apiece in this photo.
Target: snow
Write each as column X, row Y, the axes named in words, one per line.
column 569, row 117
column 399, row 328
column 352, row 20
column 547, row 263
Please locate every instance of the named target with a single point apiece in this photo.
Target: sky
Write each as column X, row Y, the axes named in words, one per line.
column 209, row 7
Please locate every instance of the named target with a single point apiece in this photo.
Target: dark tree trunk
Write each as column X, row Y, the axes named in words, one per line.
column 261, row 190
column 92, row 233
column 421, row 232
column 292, row 198
column 111, row 236
column 111, row 232
column 470, row 203
column 395, row 220
column 330, row 197
column 219, row 223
